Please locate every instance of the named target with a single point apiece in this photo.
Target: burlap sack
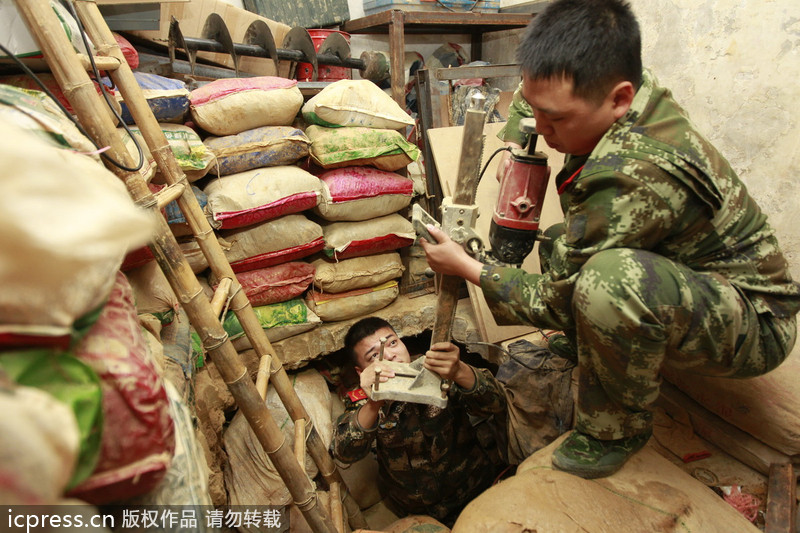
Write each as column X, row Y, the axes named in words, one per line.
column 648, row 494
column 344, row 147
column 34, row 110
column 367, row 237
column 40, row 445
column 274, row 284
column 267, row 146
column 360, row 302
column 151, row 290
column 168, row 98
column 357, row 272
column 250, row 476
column 67, row 223
column 362, row 193
column 355, row 103
column 192, row 156
column 253, row 196
column 273, row 242
column 233, row 105
column 186, row 480
column 149, row 166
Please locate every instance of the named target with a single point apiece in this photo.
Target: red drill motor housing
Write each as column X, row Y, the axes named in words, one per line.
column 515, row 221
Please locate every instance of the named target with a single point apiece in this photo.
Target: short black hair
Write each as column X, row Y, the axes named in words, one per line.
column 359, row 331
column 596, row 43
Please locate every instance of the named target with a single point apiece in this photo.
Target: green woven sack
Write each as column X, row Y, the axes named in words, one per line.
column 278, row 315
column 340, row 147
column 269, row 316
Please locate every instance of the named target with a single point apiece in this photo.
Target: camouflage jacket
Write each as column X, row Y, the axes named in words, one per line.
column 429, row 459
column 653, row 183
column 518, row 109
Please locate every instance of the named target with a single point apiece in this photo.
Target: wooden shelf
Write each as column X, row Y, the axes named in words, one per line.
column 397, row 24
column 438, row 22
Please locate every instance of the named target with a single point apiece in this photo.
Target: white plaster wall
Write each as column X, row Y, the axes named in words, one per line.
column 734, row 65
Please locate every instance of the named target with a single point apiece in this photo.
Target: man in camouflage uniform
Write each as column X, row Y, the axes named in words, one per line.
column 665, row 259
column 429, row 459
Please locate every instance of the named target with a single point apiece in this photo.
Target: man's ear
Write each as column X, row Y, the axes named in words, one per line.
column 358, row 369
column 621, row 97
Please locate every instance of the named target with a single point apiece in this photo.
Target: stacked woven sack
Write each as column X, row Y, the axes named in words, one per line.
column 256, row 196
column 354, row 128
column 87, row 414
column 237, row 148
column 309, row 241
column 287, row 221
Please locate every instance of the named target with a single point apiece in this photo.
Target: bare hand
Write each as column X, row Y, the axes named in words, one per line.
column 449, row 258
column 503, row 165
column 505, row 159
column 367, row 377
column 443, row 358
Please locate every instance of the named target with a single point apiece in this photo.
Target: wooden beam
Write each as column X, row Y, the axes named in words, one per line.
column 781, row 499
column 727, row 437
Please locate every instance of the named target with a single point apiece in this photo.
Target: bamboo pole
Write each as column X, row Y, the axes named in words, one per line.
column 300, row 443
column 336, row 507
column 221, row 296
column 80, row 91
column 262, row 378
column 166, row 195
column 103, row 39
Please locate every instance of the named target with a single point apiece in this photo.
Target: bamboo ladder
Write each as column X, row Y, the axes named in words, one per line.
column 70, row 70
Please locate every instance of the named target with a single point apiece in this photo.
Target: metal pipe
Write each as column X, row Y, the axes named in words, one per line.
column 208, row 45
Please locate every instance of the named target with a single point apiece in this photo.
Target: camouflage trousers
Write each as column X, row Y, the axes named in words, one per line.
column 635, row 311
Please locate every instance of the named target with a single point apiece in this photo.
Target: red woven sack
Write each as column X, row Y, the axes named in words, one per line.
column 275, row 284
column 138, row 438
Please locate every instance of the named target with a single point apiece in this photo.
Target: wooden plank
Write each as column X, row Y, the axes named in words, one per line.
column 486, row 72
column 397, row 50
column 443, row 22
column 433, row 113
column 444, row 143
column 464, row 191
column 781, row 499
column 732, row 440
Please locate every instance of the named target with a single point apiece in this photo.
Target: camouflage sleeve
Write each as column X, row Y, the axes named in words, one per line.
column 518, row 109
column 351, row 441
column 486, row 396
column 608, row 210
